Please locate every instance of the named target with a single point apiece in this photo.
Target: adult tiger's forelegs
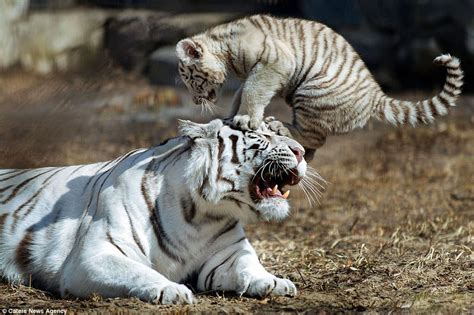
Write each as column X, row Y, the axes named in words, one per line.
column 115, row 275
column 238, row 269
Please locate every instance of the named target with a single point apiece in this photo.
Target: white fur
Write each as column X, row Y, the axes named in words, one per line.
column 90, row 228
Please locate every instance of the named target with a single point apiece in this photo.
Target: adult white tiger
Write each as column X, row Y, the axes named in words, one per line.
column 151, row 220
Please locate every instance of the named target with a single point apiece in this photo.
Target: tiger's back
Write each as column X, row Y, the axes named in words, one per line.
column 40, row 214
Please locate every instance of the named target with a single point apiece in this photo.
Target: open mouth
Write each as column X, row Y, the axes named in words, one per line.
column 268, row 184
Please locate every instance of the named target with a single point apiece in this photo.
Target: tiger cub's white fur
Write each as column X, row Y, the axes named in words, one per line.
column 312, row 67
column 152, row 220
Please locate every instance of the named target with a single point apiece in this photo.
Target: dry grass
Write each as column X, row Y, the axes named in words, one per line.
column 394, row 230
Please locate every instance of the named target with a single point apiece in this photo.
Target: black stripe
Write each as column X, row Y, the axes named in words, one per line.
column 209, row 217
column 450, row 85
column 267, row 23
column 23, row 254
column 221, row 147
column 77, row 169
column 10, row 172
column 111, row 241
column 210, row 275
column 174, row 157
column 107, row 175
column 154, row 217
column 44, row 184
column 450, row 93
column 339, row 69
column 134, row 232
column 448, row 66
column 302, row 38
column 443, row 100
column 3, row 218
column 94, row 176
column 189, row 210
column 228, row 227
column 5, row 188
column 16, row 212
column 206, row 179
column 30, row 208
column 232, row 65
column 234, row 139
column 227, row 180
column 15, row 175
column 457, row 76
column 21, row 185
column 432, row 107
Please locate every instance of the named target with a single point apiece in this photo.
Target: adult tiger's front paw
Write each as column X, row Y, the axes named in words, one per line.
column 170, row 293
column 270, row 285
column 245, row 122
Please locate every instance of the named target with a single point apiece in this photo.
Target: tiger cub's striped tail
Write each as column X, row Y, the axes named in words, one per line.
column 398, row 112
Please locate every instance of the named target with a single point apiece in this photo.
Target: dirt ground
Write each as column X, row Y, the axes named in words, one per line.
column 394, row 230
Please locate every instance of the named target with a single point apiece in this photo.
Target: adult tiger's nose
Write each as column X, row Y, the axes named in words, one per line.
column 298, row 154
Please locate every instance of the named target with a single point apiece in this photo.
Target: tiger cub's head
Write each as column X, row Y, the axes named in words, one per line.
column 200, row 69
column 249, row 170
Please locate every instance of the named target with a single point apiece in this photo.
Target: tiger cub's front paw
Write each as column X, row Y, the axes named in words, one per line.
column 270, row 285
column 277, row 127
column 245, row 122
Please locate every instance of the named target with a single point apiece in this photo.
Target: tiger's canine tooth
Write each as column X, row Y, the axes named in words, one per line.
column 275, row 189
column 286, row 194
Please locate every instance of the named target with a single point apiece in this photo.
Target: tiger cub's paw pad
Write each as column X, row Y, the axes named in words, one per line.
column 172, row 293
column 271, row 286
column 277, row 126
column 242, row 122
column 255, row 123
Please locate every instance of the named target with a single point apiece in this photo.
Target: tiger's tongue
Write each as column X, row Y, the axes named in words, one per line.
column 275, row 192
column 272, row 192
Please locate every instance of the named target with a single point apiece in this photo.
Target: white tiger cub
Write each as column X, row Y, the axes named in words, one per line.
column 151, row 220
column 312, row 67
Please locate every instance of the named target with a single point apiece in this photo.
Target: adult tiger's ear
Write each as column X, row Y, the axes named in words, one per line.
column 195, row 130
column 188, row 51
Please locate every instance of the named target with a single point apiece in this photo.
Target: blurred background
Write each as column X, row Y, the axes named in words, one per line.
column 83, row 81
column 82, row 74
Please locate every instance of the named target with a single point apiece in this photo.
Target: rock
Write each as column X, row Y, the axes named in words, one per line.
column 47, row 41
column 132, row 36
column 163, row 69
column 62, row 40
column 51, row 4
column 11, row 15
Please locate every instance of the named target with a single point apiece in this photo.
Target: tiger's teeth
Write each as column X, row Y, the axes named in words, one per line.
column 275, row 189
column 286, row 194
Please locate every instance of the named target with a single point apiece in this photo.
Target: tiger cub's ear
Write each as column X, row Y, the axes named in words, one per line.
column 188, row 51
column 195, row 130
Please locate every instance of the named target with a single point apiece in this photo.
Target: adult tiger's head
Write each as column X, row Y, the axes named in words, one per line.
column 201, row 70
column 250, row 170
